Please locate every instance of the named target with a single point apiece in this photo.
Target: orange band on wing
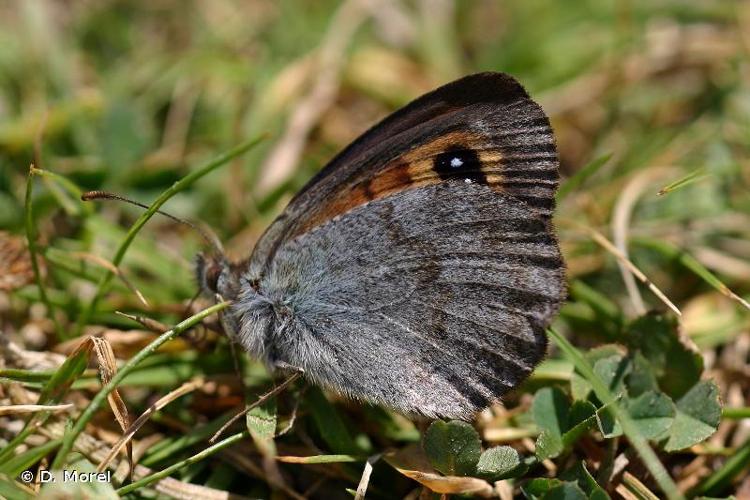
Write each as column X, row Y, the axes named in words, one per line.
column 415, row 168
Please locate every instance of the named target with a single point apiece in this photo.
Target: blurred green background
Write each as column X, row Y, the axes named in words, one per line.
column 129, row 96
column 134, row 91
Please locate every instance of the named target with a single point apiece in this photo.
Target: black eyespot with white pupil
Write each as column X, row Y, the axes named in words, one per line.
column 460, row 163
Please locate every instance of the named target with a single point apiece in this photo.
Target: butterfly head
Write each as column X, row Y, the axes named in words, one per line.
column 216, row 275
column 220, row 279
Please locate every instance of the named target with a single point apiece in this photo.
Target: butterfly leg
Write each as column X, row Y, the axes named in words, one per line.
column 284, row 366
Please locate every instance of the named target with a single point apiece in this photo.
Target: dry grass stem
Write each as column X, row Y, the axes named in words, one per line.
column 607, row 245
column 364, row 481
column 621, row 222
column 330, row 56
column 96, row 259
column 185, row 388
column 148, row 323
column 20, row 409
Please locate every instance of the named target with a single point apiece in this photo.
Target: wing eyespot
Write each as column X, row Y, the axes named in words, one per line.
column 459, row 162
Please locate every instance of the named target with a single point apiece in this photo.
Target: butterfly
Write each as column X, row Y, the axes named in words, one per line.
column 419, row 269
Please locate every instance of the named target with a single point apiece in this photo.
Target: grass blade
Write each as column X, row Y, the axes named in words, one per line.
column 168, row 448
column 680, row 183
column 580, row 177
column 128, row 367
column 178, row 186
column 718, row 482
column 736, row 413
column 52, row 393
column 639, row 442
column 73, row 190
column 692, row 264
column 25, row 460
column 34, row 253
column 184, row 463
column 12, row 490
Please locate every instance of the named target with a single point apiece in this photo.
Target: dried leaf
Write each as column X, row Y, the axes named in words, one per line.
column 107, row 369
column 412, row 463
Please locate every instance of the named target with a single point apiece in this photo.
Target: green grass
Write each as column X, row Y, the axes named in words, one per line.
column 164, row 104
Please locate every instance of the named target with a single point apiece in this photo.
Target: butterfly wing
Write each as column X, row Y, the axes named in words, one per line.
column 418, row 271
column 487, row 114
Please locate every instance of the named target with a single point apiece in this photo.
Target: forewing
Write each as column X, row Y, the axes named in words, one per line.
column 433, row 300
column 486, row 120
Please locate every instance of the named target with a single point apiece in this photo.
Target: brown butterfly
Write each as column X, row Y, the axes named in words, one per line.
column 419, row 269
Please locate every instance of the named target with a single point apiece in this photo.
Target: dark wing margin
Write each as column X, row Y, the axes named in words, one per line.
column 498, row 89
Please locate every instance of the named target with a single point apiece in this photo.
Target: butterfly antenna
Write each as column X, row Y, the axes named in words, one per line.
column 210, row 238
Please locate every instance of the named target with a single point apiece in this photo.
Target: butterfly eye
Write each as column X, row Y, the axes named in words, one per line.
column 208, row 272
column 212, row 277
column 459, row 163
